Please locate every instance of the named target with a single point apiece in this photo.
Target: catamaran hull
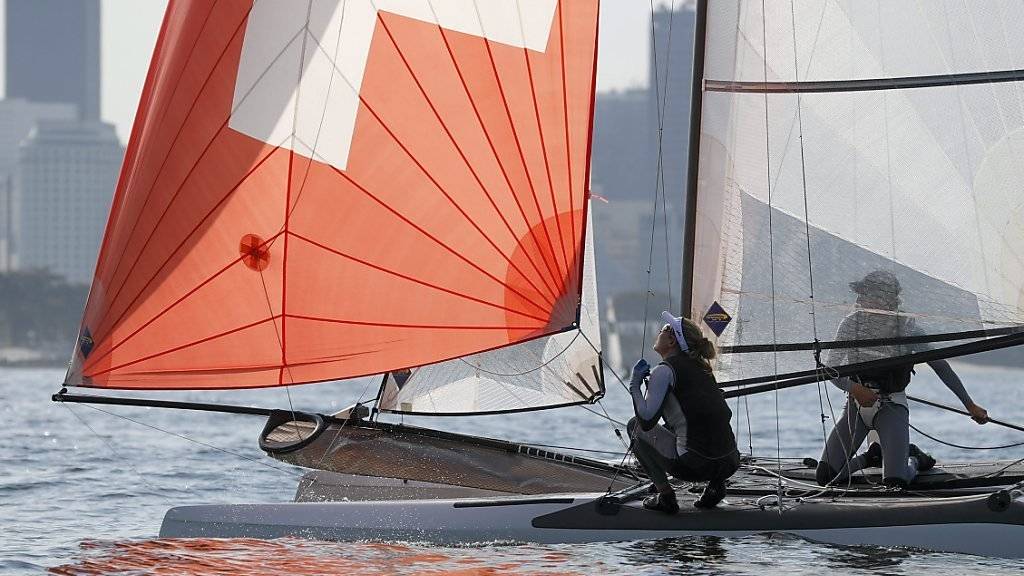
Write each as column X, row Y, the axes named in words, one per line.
column 965, row 525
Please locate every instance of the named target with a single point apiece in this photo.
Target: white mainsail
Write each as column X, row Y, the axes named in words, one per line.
column 840, row 138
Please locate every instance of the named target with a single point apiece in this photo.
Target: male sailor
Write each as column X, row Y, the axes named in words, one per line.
column 696, row 442
column 877, row 400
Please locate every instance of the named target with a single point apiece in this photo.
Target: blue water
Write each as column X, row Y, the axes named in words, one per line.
column 83, row 491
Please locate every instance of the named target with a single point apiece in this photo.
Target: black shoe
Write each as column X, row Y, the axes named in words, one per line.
column 713, row 493
column 873, row 457
column 924, row 460
column 663, row 502
column 897, row 483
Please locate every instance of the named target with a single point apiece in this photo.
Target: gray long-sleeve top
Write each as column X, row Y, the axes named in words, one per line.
column 659, row 403
column 863, row 325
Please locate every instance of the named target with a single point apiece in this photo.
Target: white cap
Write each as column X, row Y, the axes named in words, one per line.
column 677, row 327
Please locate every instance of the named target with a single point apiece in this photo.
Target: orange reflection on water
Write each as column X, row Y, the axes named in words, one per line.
column 223, row 557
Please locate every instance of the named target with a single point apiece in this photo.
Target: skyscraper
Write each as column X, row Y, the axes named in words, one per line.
column 65, row 181
column 53, row 53
column 17, row 119
column 65, row 170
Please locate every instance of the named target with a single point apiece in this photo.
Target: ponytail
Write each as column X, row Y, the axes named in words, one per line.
column 700, row 348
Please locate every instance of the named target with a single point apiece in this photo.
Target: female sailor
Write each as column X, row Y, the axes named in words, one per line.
column 877, row 400
column 696, row 442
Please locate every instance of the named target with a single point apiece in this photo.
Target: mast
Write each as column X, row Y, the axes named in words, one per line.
column 690, row 199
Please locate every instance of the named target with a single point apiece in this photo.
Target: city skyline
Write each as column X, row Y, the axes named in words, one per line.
column 129, row 30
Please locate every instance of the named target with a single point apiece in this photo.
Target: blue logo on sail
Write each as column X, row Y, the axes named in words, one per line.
column 85, row 343
column 717, row 319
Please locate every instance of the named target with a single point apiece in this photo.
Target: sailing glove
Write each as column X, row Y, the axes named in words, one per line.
column 641, row 370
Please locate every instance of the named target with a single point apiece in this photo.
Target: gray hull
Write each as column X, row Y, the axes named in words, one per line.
column 964, row 524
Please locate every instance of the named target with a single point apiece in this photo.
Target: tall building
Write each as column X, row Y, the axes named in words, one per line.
column 53, row 53
column 18, row 118
column 64, row 183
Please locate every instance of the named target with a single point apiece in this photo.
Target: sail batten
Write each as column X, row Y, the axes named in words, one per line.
column 871, row 84
column 362, row 187
column 834, row 344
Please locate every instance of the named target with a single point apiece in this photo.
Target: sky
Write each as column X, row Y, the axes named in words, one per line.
column 130, row 27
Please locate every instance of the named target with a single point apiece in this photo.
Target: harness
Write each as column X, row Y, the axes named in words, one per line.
column 868, row 413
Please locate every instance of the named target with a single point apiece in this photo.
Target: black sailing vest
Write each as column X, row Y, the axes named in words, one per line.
column 708, row 430
column 888, row 380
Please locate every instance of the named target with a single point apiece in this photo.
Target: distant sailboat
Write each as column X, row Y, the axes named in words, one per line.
column 322, row 190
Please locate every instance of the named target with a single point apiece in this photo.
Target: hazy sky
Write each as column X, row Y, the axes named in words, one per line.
column 130, row 28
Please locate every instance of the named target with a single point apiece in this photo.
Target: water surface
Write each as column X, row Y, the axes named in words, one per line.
column 84, row 489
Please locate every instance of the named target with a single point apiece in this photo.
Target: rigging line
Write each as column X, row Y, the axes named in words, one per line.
column 604, row 416
column 616, row 431
column 462, row 155
column 543, row 145
column 411, row 279
column 620, row 467
column 771, row 242
column 337, row 433
column 659, row 170
column 774, row 347
column 803, row 182
column 821, row 409
column 519, row 147
column 171, row 256
column 815, row 489
column 195, row 164
column 964, row 413
column 194, row 441
column 851, row 411
column 280, row 342
column 750, row 430
column 1005, row 468
column 496, row 156
column 930, row 437
column 118, row 456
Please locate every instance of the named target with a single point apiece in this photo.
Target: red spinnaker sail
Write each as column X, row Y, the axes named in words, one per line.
column 323, row 189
